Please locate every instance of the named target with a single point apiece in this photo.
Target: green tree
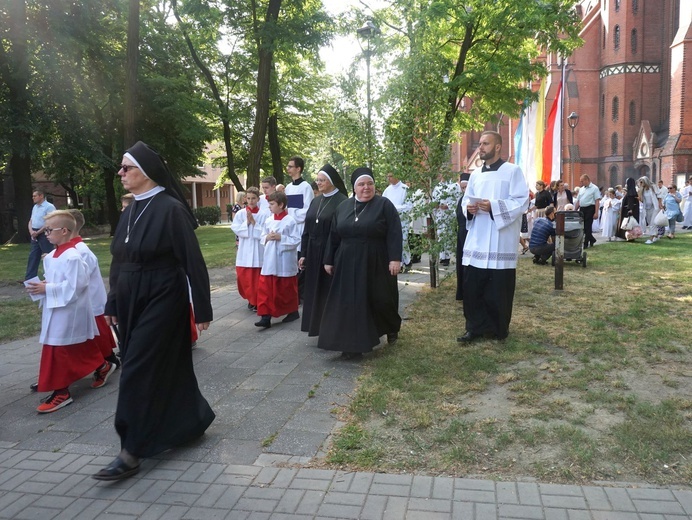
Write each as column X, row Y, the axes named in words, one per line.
column 446, row 51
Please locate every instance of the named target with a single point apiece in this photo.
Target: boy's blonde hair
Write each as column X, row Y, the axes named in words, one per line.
column 63, row 217
column 78, row 218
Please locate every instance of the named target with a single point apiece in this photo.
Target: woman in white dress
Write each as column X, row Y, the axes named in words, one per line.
column 651, row 204
column 686, row 193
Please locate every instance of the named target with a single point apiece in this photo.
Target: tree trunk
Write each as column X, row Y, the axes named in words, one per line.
column 16, row 74
column 265, row 50
column 131, row 87
column 223, row 108
column 275, row 149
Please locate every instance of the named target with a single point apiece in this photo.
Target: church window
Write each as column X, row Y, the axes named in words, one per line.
column 616, row 108
column 614, row 144
column 633, row 41
column 635, row 6
column 614, row 174
column 633, row 112
column 616, row 37
column 617, row 5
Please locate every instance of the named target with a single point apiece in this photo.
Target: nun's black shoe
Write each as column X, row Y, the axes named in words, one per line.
column 265, row 322
column 444, row 263
column 116, row 470
column 291, row 317
column 469, row 337
column 392, row 337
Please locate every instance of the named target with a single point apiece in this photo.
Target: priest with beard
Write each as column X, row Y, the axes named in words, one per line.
column 496, row 196
column 155, row 255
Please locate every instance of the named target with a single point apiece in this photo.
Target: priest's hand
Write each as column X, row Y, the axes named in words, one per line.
column 329, row 269
column 203, row 326
column 472, row 208
column 394, row 267
column 111, row 320
column 484, row 205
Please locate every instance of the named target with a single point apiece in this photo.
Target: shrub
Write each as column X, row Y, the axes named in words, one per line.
column 208, row 215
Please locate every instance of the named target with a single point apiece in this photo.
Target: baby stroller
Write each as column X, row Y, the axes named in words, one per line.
column 574, row 237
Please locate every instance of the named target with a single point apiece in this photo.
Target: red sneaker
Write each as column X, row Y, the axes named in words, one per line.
column 102, row 374
column 56, row 400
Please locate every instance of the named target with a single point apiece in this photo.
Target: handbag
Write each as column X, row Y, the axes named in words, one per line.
column 627, row 223
column 661, row 219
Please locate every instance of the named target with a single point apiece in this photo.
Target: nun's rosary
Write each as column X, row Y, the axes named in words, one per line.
column 320, row 210
column 129, row 218
column 361, row 211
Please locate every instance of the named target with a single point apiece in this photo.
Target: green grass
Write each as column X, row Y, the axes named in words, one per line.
column 217, row 244
column 589, row 384
column 21, row 318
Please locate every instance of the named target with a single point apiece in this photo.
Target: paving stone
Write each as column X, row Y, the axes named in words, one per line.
column 561, row 490
column 255, row 504
column 685, row 499
column 74, row 509
column 443, row 488
column 348, row 499
column 339, row 511
column 565, row 502
column 614, row 515
column 310, row 483
column 310, row 503
column 486, row 512
column 619, row 499
column 473, row 484
column 556, row 514
column 658, row 506
column 529, row 494
column 650, row 494
column 523, row 512
column 289, row 501
column 36, row 513
column 507, row 493
column 374, row 507
column 230, row 497
column 466, row 495
column 596, row 498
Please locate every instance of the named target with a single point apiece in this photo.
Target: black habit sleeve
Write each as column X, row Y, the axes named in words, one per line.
column 395, row 239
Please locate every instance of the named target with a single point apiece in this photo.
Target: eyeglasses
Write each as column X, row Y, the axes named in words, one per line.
column 48, row 231
column 127, row 167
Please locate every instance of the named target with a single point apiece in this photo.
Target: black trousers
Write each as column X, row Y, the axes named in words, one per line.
column 588, row 213
column 488, row 299
column 544, row 252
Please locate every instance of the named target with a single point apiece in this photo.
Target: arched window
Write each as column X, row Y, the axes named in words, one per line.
column 633, row 113
column 616, row 37
column 614, row 144
column 614, row 173
column 635, row 6
column 602, row 106
column 617, row 5
column 633, row 41
column 616, row 108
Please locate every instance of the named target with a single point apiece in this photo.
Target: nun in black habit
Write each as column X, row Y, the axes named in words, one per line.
column 461, row 236
column 364, row 257
column 155, row 254
column 318, row 222
column 630, row 203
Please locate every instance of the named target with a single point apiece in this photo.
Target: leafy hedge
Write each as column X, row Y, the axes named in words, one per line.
column 208, row 215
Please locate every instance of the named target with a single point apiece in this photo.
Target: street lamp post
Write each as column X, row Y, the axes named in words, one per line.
column 572, row 121
column 368, row 30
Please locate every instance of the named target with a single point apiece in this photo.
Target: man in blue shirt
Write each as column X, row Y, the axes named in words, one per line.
column 39, row 243
column 542, row 243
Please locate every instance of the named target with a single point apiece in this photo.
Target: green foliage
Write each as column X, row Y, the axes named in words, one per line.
column 208, row 215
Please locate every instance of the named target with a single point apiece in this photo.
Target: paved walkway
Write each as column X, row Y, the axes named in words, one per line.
column 274, row 394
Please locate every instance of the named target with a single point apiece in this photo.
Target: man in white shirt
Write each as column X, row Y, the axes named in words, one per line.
column 397, row 192
column 496, row 197
column 587, row 203
column 268, row 186
column 39, row 243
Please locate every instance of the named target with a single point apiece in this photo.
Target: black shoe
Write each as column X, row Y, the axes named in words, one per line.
column 593, row 242
column 536, row 259
column 392, row 337
column 250, row 306
column 468, row 337
column 265, row 322
column 116, row 470
column 33, row 387
column 291, row 317
column 415, row 259
column 444, row 263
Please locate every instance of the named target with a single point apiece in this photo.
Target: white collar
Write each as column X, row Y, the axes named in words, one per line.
column 331, row 193
column 150, row 193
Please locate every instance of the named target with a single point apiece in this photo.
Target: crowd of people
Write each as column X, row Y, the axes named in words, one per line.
column 338, row 255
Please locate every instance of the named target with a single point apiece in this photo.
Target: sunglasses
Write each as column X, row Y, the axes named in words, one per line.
column 127, row 167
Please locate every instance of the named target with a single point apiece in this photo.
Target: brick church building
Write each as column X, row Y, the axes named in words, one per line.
column 628, row 85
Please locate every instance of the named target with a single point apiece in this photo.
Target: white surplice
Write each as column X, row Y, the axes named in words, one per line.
column 67, row 317
column 250, row 249
column 280, row 258
column 97, row 289
column 491, row 242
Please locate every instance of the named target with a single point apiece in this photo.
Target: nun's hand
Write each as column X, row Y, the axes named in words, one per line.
column 329, row 269
column 111, row 320
column 202, row 326
column 394, row 267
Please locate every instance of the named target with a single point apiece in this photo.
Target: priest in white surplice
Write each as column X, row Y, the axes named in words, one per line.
column 496, row 197
column 397, row 192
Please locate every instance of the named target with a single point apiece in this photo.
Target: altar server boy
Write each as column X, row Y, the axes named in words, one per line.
column 247, row 226
column 278, row 284
column 103, row 340
column 68, row 322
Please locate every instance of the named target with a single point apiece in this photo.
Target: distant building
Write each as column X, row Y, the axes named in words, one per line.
column 628, row 85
